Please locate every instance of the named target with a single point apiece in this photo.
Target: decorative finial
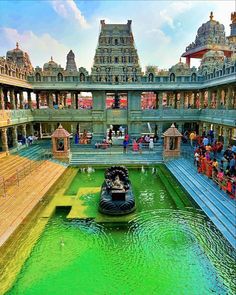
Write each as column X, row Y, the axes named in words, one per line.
column 17, row 45
column 51, row 58
column 180, row 60
column 211, row 16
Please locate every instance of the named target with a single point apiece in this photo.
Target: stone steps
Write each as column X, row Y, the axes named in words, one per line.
column 78, row 159
column 216, row 204
column 20, row 200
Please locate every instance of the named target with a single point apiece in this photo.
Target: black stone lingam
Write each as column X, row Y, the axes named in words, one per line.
column 116, row 193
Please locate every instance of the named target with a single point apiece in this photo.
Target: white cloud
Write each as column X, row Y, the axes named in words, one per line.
column 69, row 10
column 172, row 11
column 40, row 48
column 166, row 18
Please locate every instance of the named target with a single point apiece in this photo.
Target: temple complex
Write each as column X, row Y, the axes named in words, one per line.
column 118, row 92
column 138, row 231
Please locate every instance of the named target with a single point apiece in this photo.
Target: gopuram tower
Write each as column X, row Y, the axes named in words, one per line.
column 232, row 37
column 116, row 59
column 70, row 62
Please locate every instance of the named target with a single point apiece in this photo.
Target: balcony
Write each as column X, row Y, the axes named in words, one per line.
column 225, row 117
column 169, row 114
column 12, row 117
column 65, row 115
column 116, row 116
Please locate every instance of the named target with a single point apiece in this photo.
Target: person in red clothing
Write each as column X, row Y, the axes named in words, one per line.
column 229, row 187
column 209, row 168
column 203, row 164
column 135, row 146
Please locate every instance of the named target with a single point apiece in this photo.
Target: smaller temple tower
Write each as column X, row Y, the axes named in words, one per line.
column 20, row 58
column 232, row 37
column 210, row 36
column 70, row 62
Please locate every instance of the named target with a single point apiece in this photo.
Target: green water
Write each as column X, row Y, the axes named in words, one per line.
column 167, row 247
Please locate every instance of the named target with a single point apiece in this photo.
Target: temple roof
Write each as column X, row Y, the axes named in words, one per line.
column 20, row 58
column 211, row 35
column 15, row 51
column 60, row 132
column 50, row 65
column 211, row 60
column 180, row 68
column 115, row 29
column 172, row 131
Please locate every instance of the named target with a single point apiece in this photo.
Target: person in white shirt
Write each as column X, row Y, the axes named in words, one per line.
column 151, row 144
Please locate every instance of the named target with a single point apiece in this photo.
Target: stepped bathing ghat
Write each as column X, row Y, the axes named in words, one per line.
column 156, row 222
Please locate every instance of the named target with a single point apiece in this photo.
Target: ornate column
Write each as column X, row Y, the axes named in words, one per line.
column 52, row 127
column 40, row 130
column 160, row 100
column 21, row 100
column 16, row 99
column 50, row 100
column 200, row 129
column 233, row 101
column 72, row 100
column 181, row 100
column 23, row 128
column 160, row 129
column 194, row 100
column 175, row 94
column 5, row 92
column 4, row 140
column 229, row 98
column 29, row 99
column 57, row 101
column 2, row 104
column 226, row 136
column 167, row 99
column 180, row 126
column 73, row 128
column 14, row 136
column 209, row 98
column 185, row 100
column 37, row 100
column 12, row 99
column 201, row 99
column 31, row 129
column 218, row 97
column 76, row 100
column 64, row 99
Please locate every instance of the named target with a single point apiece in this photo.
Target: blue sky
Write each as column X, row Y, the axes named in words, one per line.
column 162, row 29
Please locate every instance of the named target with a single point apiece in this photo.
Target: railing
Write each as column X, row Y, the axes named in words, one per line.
column 8, row 117
column 21, row 173
column 217, row 116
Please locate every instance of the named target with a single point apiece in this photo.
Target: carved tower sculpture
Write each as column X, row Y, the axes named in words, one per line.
column 70, row 62
column 116, row 58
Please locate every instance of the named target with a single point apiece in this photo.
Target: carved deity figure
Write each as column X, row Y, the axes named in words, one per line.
column 117, row 184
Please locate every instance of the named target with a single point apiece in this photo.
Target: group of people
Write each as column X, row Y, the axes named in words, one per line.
column 83, row 139
column 29, row 140
column 106, row 143
column 220, row 167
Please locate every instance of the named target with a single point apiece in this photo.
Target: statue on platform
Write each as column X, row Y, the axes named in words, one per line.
column 117, row 184
column 84, row 138
column 116, row 193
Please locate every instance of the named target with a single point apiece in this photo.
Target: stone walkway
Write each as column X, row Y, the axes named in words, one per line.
column 216, row 204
